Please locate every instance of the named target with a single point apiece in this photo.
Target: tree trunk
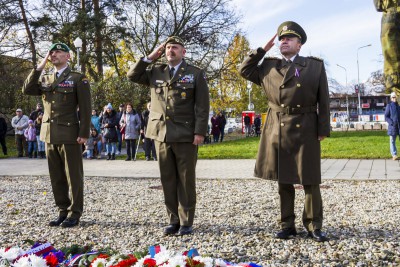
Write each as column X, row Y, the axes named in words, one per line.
column 28, row 32
column 84, row 41
column 98, row 39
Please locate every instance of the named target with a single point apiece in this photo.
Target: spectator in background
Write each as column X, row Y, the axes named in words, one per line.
column 247, row 124
column 34, row 114
column 40, row 144
column 3, row 134
column 392, row 116
column 97, row 142
column 222, row 123
column 20, row 123
column 30, row 135
column 95, row 121
column 119, row 115
column 89, row 144
column 257, row 125
column 130, row 121
column 215, row 131
column 110, row 131
column 148, row 144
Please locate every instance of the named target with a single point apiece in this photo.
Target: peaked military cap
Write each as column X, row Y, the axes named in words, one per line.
column 175, row 40
column 291, row 28
column 59, row 46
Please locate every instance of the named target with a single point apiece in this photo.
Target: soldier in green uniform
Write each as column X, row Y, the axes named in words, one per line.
column 177, row 123
column 63, row 129
column 390, row 31
column 297, row 120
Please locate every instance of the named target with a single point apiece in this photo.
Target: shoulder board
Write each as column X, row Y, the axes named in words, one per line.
column 316, row 58
column 272, row 58
column 75, row 72
column 194, row 66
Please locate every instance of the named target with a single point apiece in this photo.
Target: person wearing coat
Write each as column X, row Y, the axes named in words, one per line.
column 178, row 119
column 130, row 121
column 215, row 131
column 297, row 120
column 109, row 125
column 392, row 117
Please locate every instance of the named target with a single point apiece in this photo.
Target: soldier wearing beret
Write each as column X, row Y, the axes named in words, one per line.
column 178, row 123
column 297, row 120
column 390, row 30
column 63, row 92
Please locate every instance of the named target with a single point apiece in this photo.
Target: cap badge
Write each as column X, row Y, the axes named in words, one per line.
column 285, row 28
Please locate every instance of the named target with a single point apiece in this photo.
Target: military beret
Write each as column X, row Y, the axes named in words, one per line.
column 175, row 40
column 291, row 28
column 59, row 46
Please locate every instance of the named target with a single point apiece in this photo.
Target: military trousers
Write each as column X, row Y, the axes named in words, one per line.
column 66, row 176
column 312, row 212
column 177, row 163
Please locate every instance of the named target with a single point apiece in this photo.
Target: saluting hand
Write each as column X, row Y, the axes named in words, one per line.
column 157, row 52
column 42, row 65
column 270, row 44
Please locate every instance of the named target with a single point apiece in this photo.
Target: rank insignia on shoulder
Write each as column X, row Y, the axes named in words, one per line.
column 316, row 58
column 85, row 80
column 272, row 58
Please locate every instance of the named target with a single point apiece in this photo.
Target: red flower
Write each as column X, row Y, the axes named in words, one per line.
column 149, row 262
column 127, row 262
column 51, row 260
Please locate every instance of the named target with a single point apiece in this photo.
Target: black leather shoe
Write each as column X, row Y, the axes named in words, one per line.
column 57, row 221
column 70, row 222
column 171, row 229
column 318, row 236
column 286, row 233
column 185, row 230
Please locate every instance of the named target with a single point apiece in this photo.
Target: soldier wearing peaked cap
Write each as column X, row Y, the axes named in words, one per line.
column 63, row 92
column 390, row 30
column 177, row 122
column 297, row 120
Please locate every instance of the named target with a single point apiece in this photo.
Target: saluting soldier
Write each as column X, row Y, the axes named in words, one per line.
column 63, row 92
column 177, row 123
column 297, row 120
column 390, row 30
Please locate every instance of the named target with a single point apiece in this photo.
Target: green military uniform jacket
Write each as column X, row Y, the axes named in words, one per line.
column 61, row 99
column 298, row 98
column 179, row 106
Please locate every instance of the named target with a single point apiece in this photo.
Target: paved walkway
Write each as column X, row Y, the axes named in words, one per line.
column 346, row 169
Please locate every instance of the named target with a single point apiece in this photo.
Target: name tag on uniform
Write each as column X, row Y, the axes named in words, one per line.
column 159, row 81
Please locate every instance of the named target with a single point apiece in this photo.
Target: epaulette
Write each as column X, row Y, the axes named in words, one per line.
column 194, row 66
column 316, row 58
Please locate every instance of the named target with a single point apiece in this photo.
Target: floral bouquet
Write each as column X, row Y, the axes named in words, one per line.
column 44, row 255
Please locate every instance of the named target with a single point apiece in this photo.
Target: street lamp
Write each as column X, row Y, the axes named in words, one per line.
column 251, row 106
column 78, row 45
column 358, row 80
column 347, row 96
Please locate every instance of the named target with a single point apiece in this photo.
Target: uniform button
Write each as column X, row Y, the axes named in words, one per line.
column 282, row 124
column 298, row 85
column 51, row 121
column 282, row 86
column 168, row 107
column 54, row 92
column 298, row 125
column 298, row 106
column 68, row 123
column 167, row 118
column 53, row 102
column 283, row 105
column 169, row 97
column 184, row 87
column 52, row 111
column 170, row 87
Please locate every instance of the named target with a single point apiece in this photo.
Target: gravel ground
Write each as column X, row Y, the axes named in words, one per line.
column 235, row 220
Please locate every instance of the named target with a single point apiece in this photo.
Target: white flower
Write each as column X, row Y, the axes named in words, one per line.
column 162, row 257
column 220, row 263
column 140, row 262
column 208, row 262
column 37, row 261
column 10, row 254
column 177, row 261
column 99, row 262
column 22, row 262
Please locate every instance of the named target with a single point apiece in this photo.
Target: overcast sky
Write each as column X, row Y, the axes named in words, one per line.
column 335, row 30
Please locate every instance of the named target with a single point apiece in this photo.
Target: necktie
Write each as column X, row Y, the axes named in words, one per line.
column 171, row 73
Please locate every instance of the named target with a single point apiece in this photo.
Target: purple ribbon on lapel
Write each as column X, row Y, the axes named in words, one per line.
column 297, row 73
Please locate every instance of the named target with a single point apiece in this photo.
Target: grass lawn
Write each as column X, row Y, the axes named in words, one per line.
column 341, row 145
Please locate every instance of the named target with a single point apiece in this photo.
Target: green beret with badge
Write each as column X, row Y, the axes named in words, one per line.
column 175, row 40
column 59, row 46
column 292, row 29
